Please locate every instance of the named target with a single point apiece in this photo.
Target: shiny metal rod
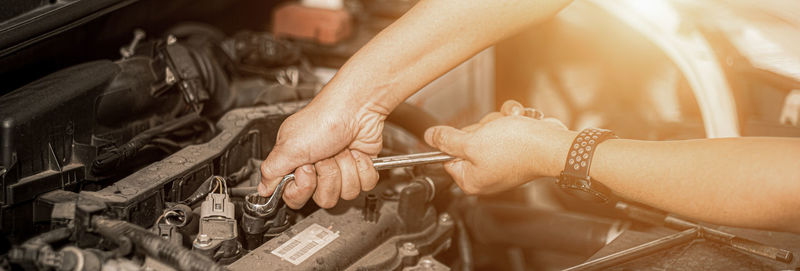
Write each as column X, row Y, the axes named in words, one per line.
column 408, row 160
column 639, row 251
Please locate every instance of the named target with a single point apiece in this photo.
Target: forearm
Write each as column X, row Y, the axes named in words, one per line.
column 426, row 42
column 749, row 182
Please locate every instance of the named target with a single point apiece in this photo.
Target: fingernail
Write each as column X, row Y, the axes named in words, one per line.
column 308, row 169
column 429, row 136
column 262, row 190
column 515, row 110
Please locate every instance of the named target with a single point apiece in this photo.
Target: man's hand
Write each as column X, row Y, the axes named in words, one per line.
column 504, row 150
column 328, row 145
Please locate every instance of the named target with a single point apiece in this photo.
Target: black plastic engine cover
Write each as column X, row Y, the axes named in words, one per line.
column 244, row 134
column 46, row 126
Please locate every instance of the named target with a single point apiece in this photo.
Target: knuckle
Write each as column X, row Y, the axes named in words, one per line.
column 265, row 169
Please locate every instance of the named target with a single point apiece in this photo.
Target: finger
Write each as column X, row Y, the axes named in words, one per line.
column 300, row 190
column 488, row 118
column 278, row 163
column 447, row 139
column 351, row 186
column 457, row 170
column 367, row 175
column 329, row 183
column 556, row 122
column 532, row 113
column 512, row 108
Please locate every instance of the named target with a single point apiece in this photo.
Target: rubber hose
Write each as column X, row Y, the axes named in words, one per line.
column 241, row 192
column 412, row 118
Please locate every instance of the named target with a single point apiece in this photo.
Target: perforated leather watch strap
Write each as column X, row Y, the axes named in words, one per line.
column 575, row 177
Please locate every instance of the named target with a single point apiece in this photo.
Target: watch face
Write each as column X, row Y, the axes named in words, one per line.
column 587, row 195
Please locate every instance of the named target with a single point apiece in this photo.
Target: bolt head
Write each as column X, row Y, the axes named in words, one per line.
column 426, row 263
column 409, row 246
column 203, row 239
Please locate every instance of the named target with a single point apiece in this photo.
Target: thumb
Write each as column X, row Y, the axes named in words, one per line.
column 447, row 139
column 279, row 162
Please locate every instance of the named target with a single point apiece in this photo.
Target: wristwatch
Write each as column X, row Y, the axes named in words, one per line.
column 575, row 178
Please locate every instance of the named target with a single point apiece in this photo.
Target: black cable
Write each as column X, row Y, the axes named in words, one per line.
column 200, row 193
column 115, row 157
column 51, row 236
column 161, row 148
column 211, row 127
column 167, row 142
column 153, row 245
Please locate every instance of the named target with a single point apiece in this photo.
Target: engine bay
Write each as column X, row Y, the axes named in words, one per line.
column 148, row 161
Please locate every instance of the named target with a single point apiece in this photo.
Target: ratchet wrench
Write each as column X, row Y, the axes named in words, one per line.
column 266, row 206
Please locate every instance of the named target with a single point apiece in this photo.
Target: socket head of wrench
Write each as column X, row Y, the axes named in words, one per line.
column 257, row 205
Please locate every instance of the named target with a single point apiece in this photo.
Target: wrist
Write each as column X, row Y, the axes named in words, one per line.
column 556, row 152
column 546, row 149
column 561, row 152
column 346, row 99
column 346, row 104
column 368, row 86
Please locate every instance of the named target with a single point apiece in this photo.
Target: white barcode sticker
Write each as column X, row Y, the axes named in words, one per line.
column 305, row 244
